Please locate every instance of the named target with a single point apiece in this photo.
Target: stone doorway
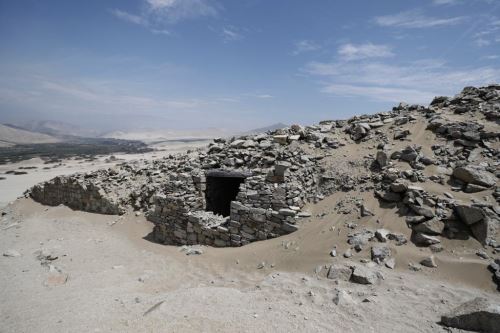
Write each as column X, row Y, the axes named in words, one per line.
column 222, row 188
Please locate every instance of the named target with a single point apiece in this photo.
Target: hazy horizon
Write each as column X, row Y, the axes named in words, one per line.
column 198, row 64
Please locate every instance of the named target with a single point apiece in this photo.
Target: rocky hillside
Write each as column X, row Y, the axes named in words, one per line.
column 435, row 168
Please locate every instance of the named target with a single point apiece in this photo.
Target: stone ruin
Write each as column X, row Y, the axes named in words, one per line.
column 239, row 191
column 255, row 187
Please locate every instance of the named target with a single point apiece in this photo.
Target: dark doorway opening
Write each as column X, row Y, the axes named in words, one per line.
column 222, row 188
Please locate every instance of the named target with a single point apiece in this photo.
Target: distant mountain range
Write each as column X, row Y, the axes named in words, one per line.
column 163, row 135
column 12, row 135
column 272, row 127
column 48, row 131
column 58, row 129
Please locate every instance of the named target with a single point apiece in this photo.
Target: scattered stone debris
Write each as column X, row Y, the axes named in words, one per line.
column 191, row 250
column 390, row 263
column 341, row 297
column 413, row 267
column 482, row 254
column 428, row 262
column 45, row 256
column 380, row 253
column 348, row 253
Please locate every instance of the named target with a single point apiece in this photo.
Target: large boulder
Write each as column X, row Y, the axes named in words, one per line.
column 431, row 227
column 483, row 222
column 469, row 214
column 423, row 211
column 339, row 272
column 475, row 175
column 409, row 154
column 359, row 131
column 364, row 275
column 479, row 314
column 424, row 240
column 382, row 158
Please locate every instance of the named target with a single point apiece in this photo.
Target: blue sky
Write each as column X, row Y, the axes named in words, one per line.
column 237, row 64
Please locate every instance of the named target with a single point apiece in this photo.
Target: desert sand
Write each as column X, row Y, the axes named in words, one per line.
column 114, row 279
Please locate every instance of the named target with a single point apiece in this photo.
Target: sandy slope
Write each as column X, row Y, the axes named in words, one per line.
column 115, row 276
column 10, row 135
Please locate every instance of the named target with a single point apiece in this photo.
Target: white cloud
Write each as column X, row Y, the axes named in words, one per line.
column 136, row 19
column 158, row 13
column 459, row 2
column 304, row 45
column 491, row 57
column 258, row 95
column 160, row 31
column 385, row 94
column 98, row 93
column 445, row 2
column 231, row 34
column 363, row 51
column 415, row 82
column 416, row 19
column 482, row 42
column 171, row 11
column 489, row 33
column 158, row 4
column 264, row 96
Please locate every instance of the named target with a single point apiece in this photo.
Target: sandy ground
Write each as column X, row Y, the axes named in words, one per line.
column 110, row 278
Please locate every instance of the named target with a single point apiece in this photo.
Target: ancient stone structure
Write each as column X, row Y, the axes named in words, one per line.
column 255, row 187
column 237, row 192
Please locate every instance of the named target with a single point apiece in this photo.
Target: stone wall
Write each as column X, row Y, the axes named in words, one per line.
column 261, row 210
column 75, row 194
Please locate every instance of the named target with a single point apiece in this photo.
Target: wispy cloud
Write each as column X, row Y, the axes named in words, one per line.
column 415, row 82
column 415, row 19
column 173, row 11
column 136, row 19
column 258, row 95
column 98, row 93
column 264, row 96
column 489, row 33
column 386, row 94
column 363, row 51
column 305, row 45
column 482, row 42
column 157, row 14
column 445, row 2
column 231, row 34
